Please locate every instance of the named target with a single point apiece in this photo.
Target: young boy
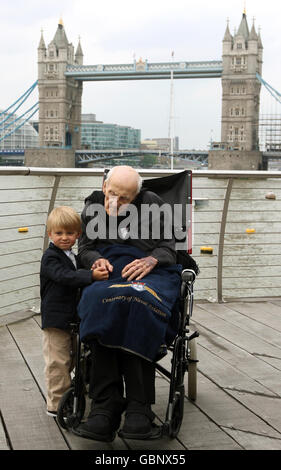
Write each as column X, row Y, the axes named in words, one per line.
column 59, row 286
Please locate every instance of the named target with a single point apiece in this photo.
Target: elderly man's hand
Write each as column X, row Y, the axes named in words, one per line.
column 139, row 268
column 103, row 263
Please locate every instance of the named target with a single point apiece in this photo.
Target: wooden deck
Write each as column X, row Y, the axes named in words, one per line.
column 239, row 386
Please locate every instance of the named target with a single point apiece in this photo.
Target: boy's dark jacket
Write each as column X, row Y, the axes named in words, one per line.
column 59, row 284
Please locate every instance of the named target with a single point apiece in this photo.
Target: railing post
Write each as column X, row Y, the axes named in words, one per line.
column 221, row 238
column 51, row 206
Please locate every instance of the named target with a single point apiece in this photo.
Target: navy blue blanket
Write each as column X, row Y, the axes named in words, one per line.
column 131, row 315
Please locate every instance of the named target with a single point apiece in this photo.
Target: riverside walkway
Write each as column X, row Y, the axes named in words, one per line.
column 237, row 312
column 238, row 404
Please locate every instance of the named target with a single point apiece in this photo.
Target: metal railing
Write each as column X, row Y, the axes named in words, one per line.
column 236, row 213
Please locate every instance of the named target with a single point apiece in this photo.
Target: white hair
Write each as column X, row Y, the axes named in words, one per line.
column 139, row 181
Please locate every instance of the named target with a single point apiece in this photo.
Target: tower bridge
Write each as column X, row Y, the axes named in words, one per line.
column 61, row 74
column 143, row 70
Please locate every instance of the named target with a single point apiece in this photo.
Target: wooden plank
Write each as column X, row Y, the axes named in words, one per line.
column 251, row 441
column 15, row 317
column 22, row 404
column 261, row 330
column 252, row 366
column 3, row 439
column 227, row 412
column 266, row 313
column 225, row 375
column 204, row 314
column 268, row 408
column 28, row 336
column 195, row 423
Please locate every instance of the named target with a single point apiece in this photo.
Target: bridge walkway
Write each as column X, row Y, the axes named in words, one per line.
column 239, row 385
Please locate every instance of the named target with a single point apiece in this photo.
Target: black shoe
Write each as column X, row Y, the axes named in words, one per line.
column 99, row 427
column 138, row 424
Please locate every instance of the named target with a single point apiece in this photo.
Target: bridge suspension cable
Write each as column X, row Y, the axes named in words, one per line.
column 21, row 99
column 271, row 90
column 22, row 123
column 18, row 118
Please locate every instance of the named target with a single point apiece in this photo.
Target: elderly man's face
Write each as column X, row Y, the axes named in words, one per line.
column 118, row 195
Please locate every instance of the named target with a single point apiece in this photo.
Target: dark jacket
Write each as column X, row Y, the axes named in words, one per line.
column 59, row 287
column 88, row 249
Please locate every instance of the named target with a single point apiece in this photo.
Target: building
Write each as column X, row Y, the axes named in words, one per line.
column 161, row 143
column 241, row 60
column 22, row 134
column 59, row 96
column 97, row 135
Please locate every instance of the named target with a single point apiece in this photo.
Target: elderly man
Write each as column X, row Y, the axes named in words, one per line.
column 125, row 331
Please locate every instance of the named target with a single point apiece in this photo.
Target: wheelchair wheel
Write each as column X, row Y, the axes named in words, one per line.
column 192, row 370
column 65, row 416
column 177, row 413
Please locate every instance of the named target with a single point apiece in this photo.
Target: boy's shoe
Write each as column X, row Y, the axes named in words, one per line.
column 53, row 414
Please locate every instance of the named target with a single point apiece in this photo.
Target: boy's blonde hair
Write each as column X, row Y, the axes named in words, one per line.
column 64, row 217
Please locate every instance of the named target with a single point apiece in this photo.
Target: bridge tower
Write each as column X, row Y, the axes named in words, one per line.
column 241, row 59
column 59, row 102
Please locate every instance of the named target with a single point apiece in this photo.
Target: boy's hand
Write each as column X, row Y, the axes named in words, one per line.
column 103, row 263
column 100, row 274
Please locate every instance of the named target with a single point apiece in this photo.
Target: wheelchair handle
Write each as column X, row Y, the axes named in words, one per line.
column 188, row 275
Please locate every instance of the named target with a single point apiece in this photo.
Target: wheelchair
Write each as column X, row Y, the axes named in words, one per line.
column 172, row 189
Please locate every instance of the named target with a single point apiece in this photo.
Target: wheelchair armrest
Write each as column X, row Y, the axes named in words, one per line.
column 188, row 275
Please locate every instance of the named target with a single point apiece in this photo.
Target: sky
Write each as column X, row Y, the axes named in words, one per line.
column 114, row 32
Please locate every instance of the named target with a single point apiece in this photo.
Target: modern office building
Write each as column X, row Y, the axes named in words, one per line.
column 19, row 134
column 160, row 143
column 97, row 135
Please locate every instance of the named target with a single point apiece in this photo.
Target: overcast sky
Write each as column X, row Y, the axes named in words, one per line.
column 115, row 31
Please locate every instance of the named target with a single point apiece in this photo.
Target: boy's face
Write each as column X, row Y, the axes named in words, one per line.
column 63, row 238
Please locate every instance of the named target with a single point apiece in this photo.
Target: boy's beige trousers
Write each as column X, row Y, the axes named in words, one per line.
column 58, row 352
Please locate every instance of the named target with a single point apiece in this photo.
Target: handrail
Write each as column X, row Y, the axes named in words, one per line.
column 226, row 205
column 15, row 170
